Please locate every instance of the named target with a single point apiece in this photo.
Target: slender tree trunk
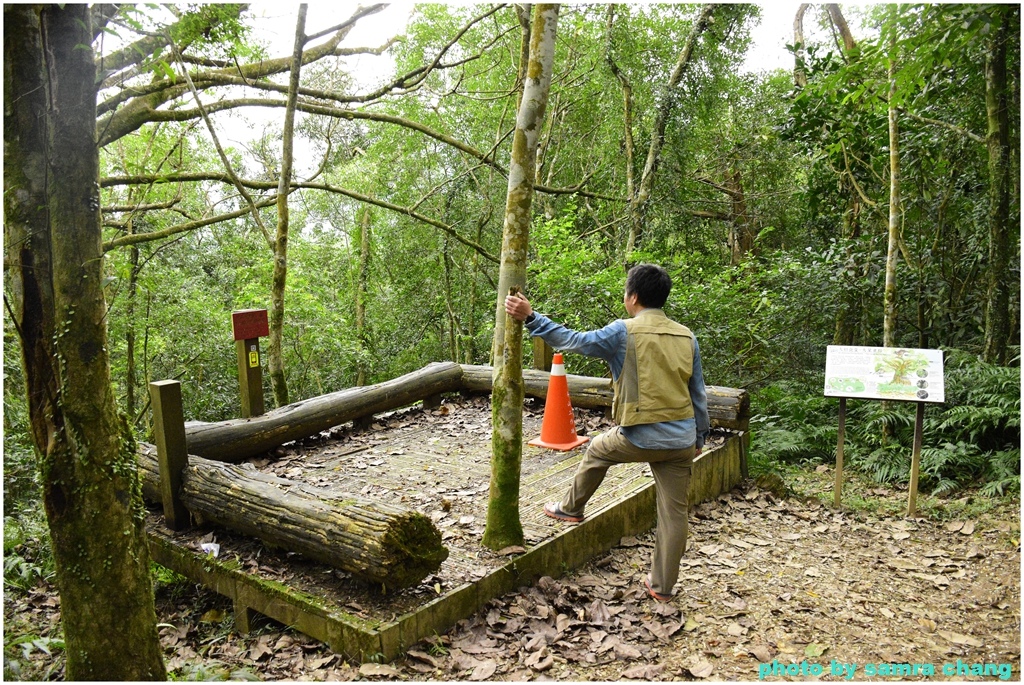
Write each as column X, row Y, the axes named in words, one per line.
column 503, row 525
column 741, row 232
column 474, row 271
column 275, row 352
column 91, row 490
column 628, row 143
column 997, row 306
column 454, row 328
column 839, row 21
column 638, row 203
column 799, row 75
column 361, row 288
column 895, row 209
column 131, row 373
column 505, row 276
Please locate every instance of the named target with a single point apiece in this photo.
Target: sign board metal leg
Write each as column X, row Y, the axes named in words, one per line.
column 915, row 462
column 839, row 453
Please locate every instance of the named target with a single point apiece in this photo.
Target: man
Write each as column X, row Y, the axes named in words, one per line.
column 660, row 406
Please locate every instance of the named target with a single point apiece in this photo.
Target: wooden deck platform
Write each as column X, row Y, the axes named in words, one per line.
column 437, row 461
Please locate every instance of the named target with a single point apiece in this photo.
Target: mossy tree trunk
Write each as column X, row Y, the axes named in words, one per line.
column 362, row 287
column 503, row 525
column 895, row 208
column 275, row 352
column 54, row 269
column 997, row 309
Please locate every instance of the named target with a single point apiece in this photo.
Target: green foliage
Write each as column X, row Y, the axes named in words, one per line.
column 28, row 558
column 18, row 653
column 971, row 440
column 211, row 670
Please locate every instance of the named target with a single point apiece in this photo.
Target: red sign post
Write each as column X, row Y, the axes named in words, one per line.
column 248, row 326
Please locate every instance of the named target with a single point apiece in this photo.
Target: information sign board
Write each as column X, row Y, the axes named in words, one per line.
column 884, row 373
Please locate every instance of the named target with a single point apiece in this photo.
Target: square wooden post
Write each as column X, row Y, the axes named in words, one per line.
column 172, row 453
column 915, row 459
column 247, row 327
column 250, row 377
column 838, row 497
column 542, row 354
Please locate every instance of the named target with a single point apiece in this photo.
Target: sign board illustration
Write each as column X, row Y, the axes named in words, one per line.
column 884, row 373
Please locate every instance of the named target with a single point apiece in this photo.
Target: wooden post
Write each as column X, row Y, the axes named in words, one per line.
column 542, row 355
column 915, row 461
column 169, row 430
column 248, row 326
column 250, row 377
column 244, row 617
column 839, row 453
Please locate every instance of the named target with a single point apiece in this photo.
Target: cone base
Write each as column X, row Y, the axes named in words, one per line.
column 560, row 446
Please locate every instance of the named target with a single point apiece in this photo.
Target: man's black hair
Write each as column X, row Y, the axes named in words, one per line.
column 650, row 283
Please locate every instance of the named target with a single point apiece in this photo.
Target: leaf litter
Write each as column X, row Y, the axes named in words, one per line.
column 763, row 578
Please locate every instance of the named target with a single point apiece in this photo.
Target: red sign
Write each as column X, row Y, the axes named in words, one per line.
column 250, row 323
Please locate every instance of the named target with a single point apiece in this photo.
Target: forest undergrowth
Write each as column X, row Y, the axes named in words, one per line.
column 772, row 573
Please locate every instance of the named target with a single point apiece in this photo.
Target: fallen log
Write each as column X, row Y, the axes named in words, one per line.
column 238, row 439
column 380, row 543
column 727, row 407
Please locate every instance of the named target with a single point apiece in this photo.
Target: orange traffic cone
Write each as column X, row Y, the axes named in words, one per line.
column 558, row 431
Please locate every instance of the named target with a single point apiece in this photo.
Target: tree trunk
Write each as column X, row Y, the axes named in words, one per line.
column 799, row 75
column 741, row 230
column 839, row 21
column 997, row 306
column 639, row 202
column 503, row 526
column 239, row 439
column 377, row 542
column 86, row 450
column 362, row 283
column 131, row 373
column 895, row 209
column 275, row 352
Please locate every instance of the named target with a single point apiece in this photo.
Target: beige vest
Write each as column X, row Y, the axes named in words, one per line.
column 654, row 383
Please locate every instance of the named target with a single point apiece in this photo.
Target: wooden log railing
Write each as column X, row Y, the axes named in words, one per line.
column 381, row 543
column 727, row 407
column 238, row 439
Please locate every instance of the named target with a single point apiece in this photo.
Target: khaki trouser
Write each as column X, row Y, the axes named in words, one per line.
column 671, row 469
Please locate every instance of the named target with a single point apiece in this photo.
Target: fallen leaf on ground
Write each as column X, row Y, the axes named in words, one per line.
column 961, row 639
column 484, row 670
column 510, row 550
column 625, row 651
column 368, row 670
column 643, row 672
column 702, row 669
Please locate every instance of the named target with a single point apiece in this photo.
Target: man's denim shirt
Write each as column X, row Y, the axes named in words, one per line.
column 609, row 344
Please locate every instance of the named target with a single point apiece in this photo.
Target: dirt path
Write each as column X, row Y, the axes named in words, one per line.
column 770, row 588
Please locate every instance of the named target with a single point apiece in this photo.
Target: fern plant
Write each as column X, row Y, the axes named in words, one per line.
column 971, row 440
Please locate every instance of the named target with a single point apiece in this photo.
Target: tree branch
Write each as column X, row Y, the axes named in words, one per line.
column 944, row 124
column 220, row 150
